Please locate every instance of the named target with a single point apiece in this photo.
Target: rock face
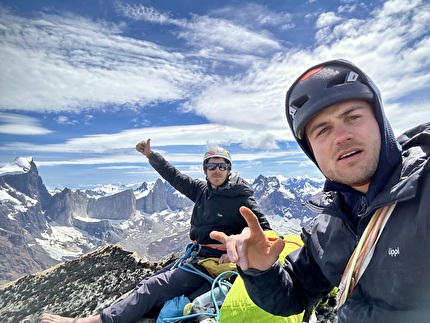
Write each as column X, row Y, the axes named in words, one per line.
column 161, row 196
column 284, row 198
column 23, row 196
column 155, row 201
column 76, row 288
column 119, row 206
column 66, row 205
column 152, row 218
column 24, row 178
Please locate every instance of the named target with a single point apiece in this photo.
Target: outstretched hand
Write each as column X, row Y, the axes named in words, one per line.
column 251, row 248
column 144, row 147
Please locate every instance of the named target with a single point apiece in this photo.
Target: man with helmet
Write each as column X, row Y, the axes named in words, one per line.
column 216, row 207
column 371, row 237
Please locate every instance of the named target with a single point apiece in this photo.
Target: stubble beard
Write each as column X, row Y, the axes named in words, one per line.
column 355, row 175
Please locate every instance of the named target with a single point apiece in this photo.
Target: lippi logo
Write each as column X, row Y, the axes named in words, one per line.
column 394, row 252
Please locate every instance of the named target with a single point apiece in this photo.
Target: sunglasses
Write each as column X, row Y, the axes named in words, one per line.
column 221, row 166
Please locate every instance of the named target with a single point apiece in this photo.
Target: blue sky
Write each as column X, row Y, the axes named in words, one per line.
column 83, row 81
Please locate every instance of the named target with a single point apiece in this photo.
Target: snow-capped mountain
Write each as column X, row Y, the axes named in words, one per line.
column 39, row 228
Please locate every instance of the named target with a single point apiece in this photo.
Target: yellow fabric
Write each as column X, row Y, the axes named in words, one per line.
column 238, row 307
column 212, row 265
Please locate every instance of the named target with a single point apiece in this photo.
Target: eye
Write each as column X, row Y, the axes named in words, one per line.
column 354, row 117
column 322, row 131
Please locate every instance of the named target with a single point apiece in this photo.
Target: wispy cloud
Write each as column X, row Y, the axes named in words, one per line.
column 161, row 136
column 86, row 64
column 15, row 124
column 73, row 64
column 221, row 33
column 95, row 66
column 141, row 12
column 386, row 54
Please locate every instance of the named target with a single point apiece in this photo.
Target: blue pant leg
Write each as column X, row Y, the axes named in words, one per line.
column 153, row 292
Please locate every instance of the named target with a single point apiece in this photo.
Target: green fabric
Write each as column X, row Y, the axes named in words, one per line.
column 238, row 307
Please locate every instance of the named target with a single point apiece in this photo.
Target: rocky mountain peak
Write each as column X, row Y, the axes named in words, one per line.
column 22, row 176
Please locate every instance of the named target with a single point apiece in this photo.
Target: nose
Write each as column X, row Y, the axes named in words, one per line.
column 342, row 134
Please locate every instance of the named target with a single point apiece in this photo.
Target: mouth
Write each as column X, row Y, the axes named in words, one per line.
column 349, row 154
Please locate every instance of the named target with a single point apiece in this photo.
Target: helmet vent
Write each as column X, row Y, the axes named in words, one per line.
column 337, row 80
column 298, row 103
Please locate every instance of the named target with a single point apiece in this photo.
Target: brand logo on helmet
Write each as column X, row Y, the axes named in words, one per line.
column 352, row 77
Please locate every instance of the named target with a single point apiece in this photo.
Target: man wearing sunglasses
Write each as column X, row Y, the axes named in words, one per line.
column 216, row 207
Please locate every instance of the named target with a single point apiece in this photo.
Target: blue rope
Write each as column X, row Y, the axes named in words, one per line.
column 184, row 264
column 190, row 268
column 192, row 248
column 219, row 280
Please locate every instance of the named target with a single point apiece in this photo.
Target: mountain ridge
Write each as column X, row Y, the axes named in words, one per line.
column 39, row 229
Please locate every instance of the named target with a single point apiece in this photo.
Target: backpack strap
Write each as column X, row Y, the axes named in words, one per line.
column 363, row 253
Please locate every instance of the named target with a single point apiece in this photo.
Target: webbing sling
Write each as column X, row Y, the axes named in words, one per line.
column 363, row 253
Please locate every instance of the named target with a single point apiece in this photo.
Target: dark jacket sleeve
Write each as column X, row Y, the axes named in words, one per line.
column 188, row 186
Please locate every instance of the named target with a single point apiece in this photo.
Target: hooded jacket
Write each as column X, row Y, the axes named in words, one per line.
column 213, row 209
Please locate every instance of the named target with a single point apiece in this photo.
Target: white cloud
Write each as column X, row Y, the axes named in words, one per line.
column 253, row 14
column 327, row 19
column 255, row 99
column 348, row 8
column 217, row 33
column 15, row 124
column 214, row 32
column 140, row 12
column 65, row 120
column 160, row 136
column 73, row 64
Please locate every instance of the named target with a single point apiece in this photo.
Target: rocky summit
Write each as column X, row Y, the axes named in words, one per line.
column 76, row 288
